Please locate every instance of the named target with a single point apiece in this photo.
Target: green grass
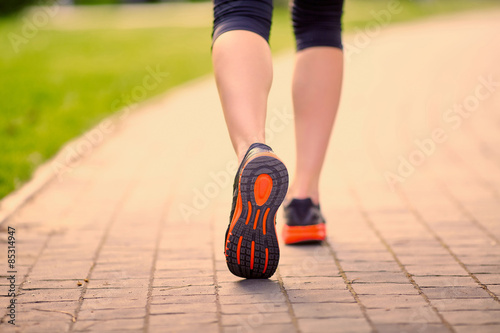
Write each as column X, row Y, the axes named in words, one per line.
column 359, row 12
column 64, row 81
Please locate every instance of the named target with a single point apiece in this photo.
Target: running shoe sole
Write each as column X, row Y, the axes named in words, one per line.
column 252, row 249
column 304, row 234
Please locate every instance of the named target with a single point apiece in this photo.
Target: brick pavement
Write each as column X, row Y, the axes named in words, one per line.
column 130, row 239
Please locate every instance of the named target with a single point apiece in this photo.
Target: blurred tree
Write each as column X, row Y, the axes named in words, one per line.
column 8, row 7
column 112, row 2
column 96, row 2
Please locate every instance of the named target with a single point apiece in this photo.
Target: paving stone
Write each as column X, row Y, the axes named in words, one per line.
column 268, row 328
column 479, row 259
column 183, row 299
column 307, row 250
column 489, row 279
column 111, row 330
column 226, row 276
column 303, row 283
column 110, row 303
column 188, row 328
column 106, row 325
column 39, row 315
column 477, row 328
column 118, row 281
column 392, row 301
column 117, row 313
column 45, row 326
column 385, row 289
column 184, row 273
column 419, row 315
column 476, row 251
column 307, row 269
column 135, row 293
column 67, row 306
column 193, row 281
column 472, row 317
column 334, row 325
column 49, row 295
column 253, row 308
column 278, row 298
column 344, row 238
column 415, row 327
column 434, row 250
column 494, row 288
column 182, row 319
column 52, row 284
column 453, row 304
column 426, row 270
column 130, row 272
column 444, row 281
column 327, row 310
column 247, row 287
column 377, row 277
column 186, row 308
column 183, row 291
column 365, row 256
column 60, row 270
column 180, row 264
column 172, row 253
column 256, row 319
column 455, row 292
column 320, row 296
column 419, row 259
column 370, row 266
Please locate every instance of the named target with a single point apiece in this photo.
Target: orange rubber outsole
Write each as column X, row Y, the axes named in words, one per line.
column 252, row 249
column 300, row 234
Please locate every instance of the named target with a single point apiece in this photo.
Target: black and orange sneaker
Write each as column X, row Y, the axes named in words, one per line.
column 260, row 186
column 304, row 222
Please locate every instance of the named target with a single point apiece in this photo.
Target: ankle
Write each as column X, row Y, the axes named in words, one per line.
column 242, row 148
column 303, row 193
